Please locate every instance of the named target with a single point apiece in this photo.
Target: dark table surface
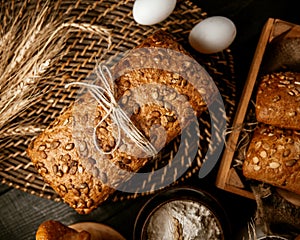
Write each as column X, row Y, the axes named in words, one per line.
column 21, row 213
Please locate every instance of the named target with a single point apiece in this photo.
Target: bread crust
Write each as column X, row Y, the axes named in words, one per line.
column 278, row 100
column 273, row 157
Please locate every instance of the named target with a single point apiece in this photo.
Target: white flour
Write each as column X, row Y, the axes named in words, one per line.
column 183, row 220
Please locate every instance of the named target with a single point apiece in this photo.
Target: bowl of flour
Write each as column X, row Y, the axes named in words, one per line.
column 182, row 213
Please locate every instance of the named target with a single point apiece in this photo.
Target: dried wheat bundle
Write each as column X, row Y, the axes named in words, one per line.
column 25, row 57
column 32, row 40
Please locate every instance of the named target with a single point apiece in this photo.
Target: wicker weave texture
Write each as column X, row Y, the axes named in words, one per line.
column 83, row 49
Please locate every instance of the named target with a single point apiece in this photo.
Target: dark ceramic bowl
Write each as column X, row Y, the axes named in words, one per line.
column 272, row 238
column 184, row 194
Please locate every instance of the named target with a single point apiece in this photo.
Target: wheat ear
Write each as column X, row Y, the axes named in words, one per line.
column 28, row 57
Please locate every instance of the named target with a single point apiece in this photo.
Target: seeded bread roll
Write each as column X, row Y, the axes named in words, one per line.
column 278, row 100
column 273, row 157
column 68, row 157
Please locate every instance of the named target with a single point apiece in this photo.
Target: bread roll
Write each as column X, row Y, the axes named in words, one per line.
column 278, row 100
column 65, row 153
column 54, row 230
column 273, row 157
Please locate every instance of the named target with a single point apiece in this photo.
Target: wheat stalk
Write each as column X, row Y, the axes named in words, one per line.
column 22, row 130
column 32, row 44
column 21, row 74
column 22, row 95
column 29, row 40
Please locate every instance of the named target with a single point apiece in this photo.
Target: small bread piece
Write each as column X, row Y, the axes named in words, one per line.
column 278, row 100
column 54, row 230
column 273, row 157
column 98, row 231
column 66, row 155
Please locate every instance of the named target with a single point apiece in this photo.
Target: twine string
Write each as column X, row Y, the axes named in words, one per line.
column 104, row 95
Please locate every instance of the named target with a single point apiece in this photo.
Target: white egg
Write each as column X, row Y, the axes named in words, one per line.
column 150, row 12
column 212, row 35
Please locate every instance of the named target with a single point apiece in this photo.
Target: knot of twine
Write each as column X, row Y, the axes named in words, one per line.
column 105, row 98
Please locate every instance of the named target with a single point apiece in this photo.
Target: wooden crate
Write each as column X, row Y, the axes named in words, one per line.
column 228, row 178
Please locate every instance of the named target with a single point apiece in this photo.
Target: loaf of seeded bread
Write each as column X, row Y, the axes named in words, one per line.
column 278, row 100
column 273, row 157
column 67, row 156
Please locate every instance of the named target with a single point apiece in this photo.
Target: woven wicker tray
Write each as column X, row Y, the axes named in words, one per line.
column 79, row 59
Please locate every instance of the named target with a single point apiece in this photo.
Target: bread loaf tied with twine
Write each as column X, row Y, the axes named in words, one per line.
column 67, row 155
